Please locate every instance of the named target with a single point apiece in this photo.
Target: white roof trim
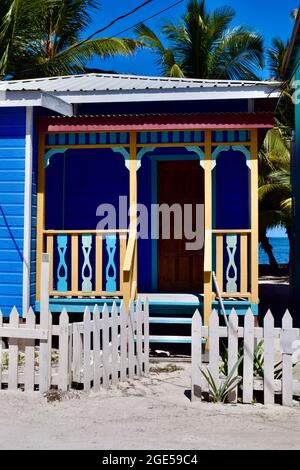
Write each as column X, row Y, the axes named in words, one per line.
column 113, row 88
column 169, row 95
column 35, row 98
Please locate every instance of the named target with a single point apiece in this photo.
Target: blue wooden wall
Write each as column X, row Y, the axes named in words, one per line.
column 12, row 175
column 34, row 210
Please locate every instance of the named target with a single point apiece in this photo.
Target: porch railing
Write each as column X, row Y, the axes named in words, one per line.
column 91, row 262
column 232, row 263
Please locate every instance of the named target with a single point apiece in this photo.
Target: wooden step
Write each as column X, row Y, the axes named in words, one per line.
column 170, row 320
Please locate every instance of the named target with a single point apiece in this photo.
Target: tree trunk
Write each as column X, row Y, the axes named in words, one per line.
column 267, row 247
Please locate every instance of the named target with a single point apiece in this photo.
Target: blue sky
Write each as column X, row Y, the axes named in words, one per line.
column 270, row 18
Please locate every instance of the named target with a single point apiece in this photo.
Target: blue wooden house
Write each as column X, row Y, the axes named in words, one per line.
column 70, row 144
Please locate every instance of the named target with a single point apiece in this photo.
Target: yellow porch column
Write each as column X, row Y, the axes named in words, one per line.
column 254, row 216
column 40, row 212
column 130, row 278
column 208, row 228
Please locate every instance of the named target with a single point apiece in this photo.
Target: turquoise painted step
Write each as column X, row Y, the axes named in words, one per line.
column 170, row 320
column 172, row 339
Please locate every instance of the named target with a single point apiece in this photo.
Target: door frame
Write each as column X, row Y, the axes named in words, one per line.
column 154, row 199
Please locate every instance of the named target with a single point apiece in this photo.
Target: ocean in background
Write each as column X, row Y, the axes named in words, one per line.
column 280, row 249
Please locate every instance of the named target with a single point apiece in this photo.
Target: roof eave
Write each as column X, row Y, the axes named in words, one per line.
column 34, row 99
column 111, row 96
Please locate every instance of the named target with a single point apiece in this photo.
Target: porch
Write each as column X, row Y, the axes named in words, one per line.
column 90, row 265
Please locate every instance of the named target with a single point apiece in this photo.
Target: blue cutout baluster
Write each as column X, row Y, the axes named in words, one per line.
column 86, row 271
column 231, row 285
column 62, row 270
column 111, row 271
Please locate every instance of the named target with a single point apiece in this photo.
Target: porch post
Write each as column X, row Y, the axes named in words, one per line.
column 254, row 216
column 40, row 212
column 207, row 224
column 130, row 282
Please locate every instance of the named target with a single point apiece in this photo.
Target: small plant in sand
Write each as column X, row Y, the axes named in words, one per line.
column 165, row 369
column 219, row 392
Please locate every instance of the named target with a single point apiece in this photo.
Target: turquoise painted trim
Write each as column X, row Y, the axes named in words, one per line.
column 86, row 270
column 176, row 137
column 81, row 139
column 198, row 151
column 231, row 136
column 112, row 138
column 102, row 138
column 62, row 139
column 125, row 154
column 72, row 139
column 246, row 151
column 111, row 270
column 219, row 136
column 62, row 269
column 49, row 153
column 165, row 137
column 154, row 137
column 142, row 153
column 92, row 138
column 143, row 137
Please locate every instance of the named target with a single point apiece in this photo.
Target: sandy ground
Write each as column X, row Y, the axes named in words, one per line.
column 154, row 413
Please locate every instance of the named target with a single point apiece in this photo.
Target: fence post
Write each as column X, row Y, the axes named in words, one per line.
column 196, row 355
column 63, row 358
column 44, row 324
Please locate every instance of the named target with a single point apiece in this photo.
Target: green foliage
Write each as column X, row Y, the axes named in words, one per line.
column 219, row 393
column 47, row 35
column 275, row 191
column 202, row 45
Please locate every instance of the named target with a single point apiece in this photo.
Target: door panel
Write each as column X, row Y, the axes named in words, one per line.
column 179, row 270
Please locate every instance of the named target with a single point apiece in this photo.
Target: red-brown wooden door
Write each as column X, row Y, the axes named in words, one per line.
column 179, row 270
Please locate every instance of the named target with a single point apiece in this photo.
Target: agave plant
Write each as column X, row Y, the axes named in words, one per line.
column 219, row 393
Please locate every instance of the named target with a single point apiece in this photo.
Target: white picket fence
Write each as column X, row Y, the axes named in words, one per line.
column 286, row 337
column 104, row 349
column 111, row 348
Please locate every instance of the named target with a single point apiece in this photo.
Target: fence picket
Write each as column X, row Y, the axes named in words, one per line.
column 214, row 350
column 248, row 357
column 269, row 353
column 287, row 337
column 29, row 353
column 45, row 345
column 114, row 344
column 233, row 325
column 77, row 352
column 105, row 346
column 131, row 344
column 123, row 346
column 96, row 349
column 146, row 336
column 13, row 352
column 196, row 355
column 63, row 358
column 87, row 350
column 139, row 345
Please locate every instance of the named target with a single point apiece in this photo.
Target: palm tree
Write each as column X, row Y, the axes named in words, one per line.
column 44, row 38
column 275, row 191
column 202, row 45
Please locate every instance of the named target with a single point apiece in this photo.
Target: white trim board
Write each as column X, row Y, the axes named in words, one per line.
column 27, row 209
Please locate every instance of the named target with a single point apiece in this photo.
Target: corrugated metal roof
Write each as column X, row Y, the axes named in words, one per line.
column 110, row 82
column 154, row 122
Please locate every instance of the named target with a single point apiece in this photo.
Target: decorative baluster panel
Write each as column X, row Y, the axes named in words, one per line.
column 231, row 271
column 86, row 271
column 111, row 270
column 62, row 269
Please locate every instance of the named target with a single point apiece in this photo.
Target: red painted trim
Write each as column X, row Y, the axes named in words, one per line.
column 157, row 122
